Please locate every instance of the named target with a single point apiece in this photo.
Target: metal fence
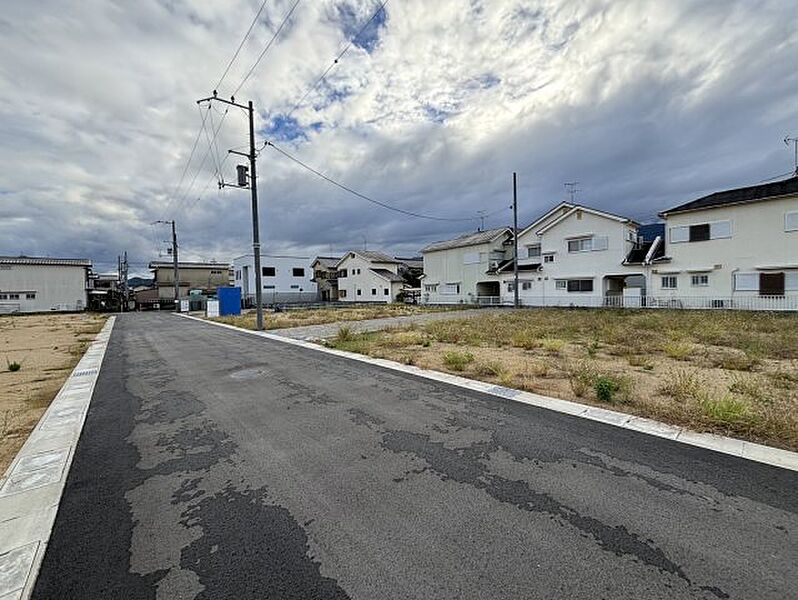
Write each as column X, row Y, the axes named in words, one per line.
column 755, row 303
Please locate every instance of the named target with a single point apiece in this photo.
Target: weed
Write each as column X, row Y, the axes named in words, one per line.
column 677, row 350
column 726, row 410
column 457, row 361
column 13, row 366
column 592, row 348
column 345, row 334
column 582, row 377
column 639, row 360
column 681, row 385
column 489, row 368
column 525, row 340
column 552, row 345
column 610, row 388
column 752, row 388
column 605, row 389
column 736, row 361
column 426, row 343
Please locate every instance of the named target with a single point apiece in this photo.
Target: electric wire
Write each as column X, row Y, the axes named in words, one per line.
column 363, row 196
column 185, row 168
column 266, row 48
column 380, row 8
column 241, row 45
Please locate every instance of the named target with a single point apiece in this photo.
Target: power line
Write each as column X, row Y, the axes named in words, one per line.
column 380, row 8
column 188, row 162
column 241, row 45
column 363, row 196
column 266, row 48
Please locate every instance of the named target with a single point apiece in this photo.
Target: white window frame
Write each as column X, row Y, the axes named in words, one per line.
column 548, row 257
column 791, row 221
column 526, row 285
column 530, row 248
column 590, row 291
column 699, row 280
column 560, row 284
column 450, row 289
column 679, row 234
column 584, row 244
column 668, row 279
column 791, row 281
column 471, row 258
column 746, row 282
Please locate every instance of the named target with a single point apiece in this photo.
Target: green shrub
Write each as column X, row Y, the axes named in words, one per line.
column 605, row 389
column 678, row 350
column 13, row 366
column 457, row 361
column 552, row 345
column 490, row 368
column 727, row 409
column 525, row 340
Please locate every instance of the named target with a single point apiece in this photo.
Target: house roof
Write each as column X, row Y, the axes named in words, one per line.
column 45, row 260
column 371, row 256
column 163, row 264
column 468, row 239
column 328, row 262
column 386, row 274
column 544, row 216
column 587, row 209
column 416, row 262
column 754, row 193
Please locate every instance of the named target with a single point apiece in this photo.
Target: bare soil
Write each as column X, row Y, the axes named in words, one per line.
column 46, row 348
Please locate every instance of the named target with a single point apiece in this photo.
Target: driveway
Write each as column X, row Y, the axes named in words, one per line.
column 215, row 464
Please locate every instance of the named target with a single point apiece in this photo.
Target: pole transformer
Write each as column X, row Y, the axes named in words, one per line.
column 253, row 187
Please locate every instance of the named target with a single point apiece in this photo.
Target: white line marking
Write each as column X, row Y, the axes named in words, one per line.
column 725, row 445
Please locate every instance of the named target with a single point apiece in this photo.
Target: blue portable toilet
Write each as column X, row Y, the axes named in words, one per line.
column 229, row 300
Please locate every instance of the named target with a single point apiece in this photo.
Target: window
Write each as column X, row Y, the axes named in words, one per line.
column 580, row 245
column 373, row 291
column 699, row 280
column 720, row 229
column 294, row 287
column 358, row 292
column 510, row 286
column 548, row 258
column 3, row 296
column 533, row 251
column 580, row 285
column 13, row 296
column 561, row 284
column 791, row 281
column 746, row 282
column 342, row 273
column 526, row 285
column 386, row 291
column 298, row 272
column 699, row 233
column 680, row 234
column 269, row 271
column 791, row 221
column 771, row 284
column 342, row 293
column 669, row 282
column 268, row 287
column 30, row 296
column 471, row 258
column 238, row 275
column 431, row 287
column 450, row 289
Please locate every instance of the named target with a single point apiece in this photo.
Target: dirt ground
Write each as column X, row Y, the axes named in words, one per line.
column 46, row 348
column 320, row 316
column 728, row 373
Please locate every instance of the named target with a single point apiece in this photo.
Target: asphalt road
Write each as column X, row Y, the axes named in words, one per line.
column 214, row 464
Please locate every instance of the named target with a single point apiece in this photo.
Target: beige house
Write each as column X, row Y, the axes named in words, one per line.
column 736, row 248
column 205, row 276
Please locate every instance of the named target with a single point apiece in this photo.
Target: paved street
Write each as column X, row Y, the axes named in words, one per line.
column 215, row 464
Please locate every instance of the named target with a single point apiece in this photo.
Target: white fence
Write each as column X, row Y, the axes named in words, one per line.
column 765, row 303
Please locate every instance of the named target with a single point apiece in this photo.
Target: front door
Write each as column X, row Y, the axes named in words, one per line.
column 771, row 284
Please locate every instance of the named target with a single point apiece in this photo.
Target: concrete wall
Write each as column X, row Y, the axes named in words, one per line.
column 360, row 283
column 757, row 243
column 283, row 286
column 52, row 287
column 465, row 266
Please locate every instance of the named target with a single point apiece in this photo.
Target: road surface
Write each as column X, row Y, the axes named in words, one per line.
column 215, row 464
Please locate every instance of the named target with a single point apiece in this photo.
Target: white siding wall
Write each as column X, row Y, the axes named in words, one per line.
column 283, row 286
column 759, row 238
column 444, row 270
column 54, row 288
column 360, row 279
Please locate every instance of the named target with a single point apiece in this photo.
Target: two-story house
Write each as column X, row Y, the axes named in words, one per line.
column 733, row 248
column 464, row 269
column 325, row 276
column 369, row 276
column 284, row 279
column 574, row 255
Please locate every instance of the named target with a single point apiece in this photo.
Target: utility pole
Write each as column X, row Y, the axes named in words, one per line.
column 516, row 302
column 253, row 186
column 176, row 276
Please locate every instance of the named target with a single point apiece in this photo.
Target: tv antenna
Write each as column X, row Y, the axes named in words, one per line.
column 794, row 141
column 571, row 189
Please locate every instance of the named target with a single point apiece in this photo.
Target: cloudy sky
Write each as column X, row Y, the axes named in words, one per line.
column 646, row 104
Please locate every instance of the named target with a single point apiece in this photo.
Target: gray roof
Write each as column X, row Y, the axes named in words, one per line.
column 328, row 262
column 375, row 256
column 389, row 275
column 45, row 260
column 468, row 239
column 752, row 193
column 417, row 262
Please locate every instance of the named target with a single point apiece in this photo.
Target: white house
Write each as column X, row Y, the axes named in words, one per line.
column 37, row 284
column 733, row 249
column 464, row 269
column 368, row 276
column 574, row 255
column 285, row 279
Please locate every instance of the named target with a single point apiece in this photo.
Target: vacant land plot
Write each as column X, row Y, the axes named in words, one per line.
column 37, row 353
column 320, row 316
column 729, row 373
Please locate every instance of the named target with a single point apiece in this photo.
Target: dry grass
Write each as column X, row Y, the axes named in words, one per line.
column 46, row 348
column 728, row 373
column 320, row 316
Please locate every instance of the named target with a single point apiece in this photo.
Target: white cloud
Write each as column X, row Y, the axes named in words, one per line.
column 645, row 103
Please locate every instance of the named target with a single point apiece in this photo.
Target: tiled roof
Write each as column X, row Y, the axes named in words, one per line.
column 328, row 262
column 45, row 260
column 375, row 256
column 468, row 239
column 389, row 275
column 752, row 193
column 416, row 262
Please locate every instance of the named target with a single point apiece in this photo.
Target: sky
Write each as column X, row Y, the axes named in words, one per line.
column 646, row 104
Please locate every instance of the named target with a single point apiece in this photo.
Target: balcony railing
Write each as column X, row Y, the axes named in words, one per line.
column 755, row 303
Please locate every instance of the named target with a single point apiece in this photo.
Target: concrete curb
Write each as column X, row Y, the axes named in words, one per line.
column 726, row 445
column 31, row 488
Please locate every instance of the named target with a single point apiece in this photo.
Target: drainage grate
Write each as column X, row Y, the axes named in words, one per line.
column 85, row 372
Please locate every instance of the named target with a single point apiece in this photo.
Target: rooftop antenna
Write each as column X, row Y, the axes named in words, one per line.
column 571, row 189
column 481, row 214
column 794, row 141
